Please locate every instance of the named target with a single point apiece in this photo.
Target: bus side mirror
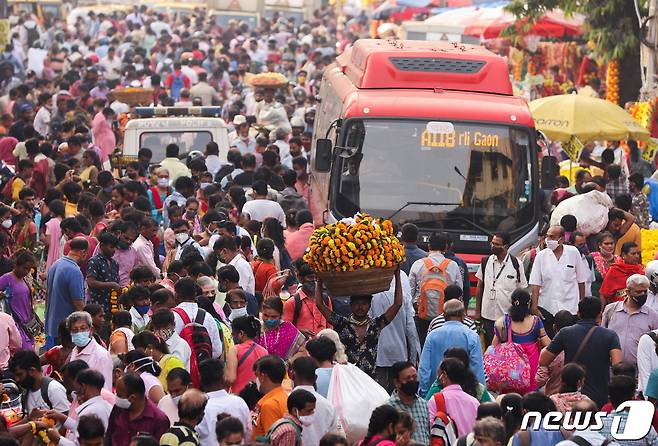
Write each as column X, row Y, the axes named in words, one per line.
column 323, row 155
column 549, row 171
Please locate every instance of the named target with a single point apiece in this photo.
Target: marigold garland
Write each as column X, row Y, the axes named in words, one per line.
column 612, row 82
column 360, row 243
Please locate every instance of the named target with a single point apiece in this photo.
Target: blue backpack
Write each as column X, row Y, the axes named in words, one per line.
column 177, row 85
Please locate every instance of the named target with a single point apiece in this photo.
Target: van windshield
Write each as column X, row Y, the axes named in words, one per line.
column 186, row 141
column 473, row 177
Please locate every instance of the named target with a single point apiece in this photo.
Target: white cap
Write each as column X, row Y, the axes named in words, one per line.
column 296, row 121
column 651, row 271
column 239, row 120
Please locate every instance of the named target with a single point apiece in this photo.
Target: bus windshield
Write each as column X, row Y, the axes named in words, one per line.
column 471, row 177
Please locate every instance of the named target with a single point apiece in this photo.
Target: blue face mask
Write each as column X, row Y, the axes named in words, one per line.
column 81, row 339
column 142, row 309
column 271, row 323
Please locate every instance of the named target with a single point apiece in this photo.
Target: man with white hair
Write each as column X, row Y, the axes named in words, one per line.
column 631, row 318
column 79, row 324
column 452, row 334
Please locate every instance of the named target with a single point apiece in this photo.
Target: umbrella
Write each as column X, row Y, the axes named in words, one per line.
column 391, row 9
column 589, row 119
column 489, row 22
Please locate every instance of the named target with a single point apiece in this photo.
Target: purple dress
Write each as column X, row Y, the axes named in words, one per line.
column 21, row 303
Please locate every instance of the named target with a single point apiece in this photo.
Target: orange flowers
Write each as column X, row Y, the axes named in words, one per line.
column 362, row 243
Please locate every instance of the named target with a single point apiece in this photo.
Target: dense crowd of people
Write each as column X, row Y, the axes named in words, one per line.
column 179, row 309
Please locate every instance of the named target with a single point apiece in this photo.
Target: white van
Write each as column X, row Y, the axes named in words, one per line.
column 191, row 128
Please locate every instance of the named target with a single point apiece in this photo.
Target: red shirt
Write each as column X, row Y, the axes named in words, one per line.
column 170, row 79
column 152, row 421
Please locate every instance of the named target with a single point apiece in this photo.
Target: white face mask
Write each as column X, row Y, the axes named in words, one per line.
column 122, row 403
column 237, row 312
column 306, row 420
column 176, row 399
column 182, row 237
column 6, row 223
column 258, row 384
column 163, row 182
column 552, row 244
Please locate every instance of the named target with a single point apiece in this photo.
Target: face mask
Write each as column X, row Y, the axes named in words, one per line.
column 165, row 333
column 176, row 399
column 27, row 383
column 190, row 214
column 81, row 339
column 123, row 245
column 221, row 287
column 640, row 300
column 122, row 403
column 7, row 223
column 496, row 250
column 608, row 251
column 237, row 312
column 258, row 384
column 163, row 182
column 552, row 244
column 108, row 189
column 142, row 309
column 410, row 387
column 182, row 238
column 306, row 420
column 202, row 186
column 584, row 250
column 271, row 323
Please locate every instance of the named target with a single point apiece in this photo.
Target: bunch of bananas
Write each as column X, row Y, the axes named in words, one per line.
column 612, row 82
column 362, row 244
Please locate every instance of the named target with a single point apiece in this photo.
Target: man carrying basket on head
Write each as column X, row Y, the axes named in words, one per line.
column 360, row 333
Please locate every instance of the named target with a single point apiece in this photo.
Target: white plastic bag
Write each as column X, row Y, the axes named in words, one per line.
column 590, row 210
column 354, row 395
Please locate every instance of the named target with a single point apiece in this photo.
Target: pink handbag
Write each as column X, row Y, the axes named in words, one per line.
column 506, row 365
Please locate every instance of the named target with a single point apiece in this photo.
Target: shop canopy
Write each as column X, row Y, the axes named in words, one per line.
column 488, row 22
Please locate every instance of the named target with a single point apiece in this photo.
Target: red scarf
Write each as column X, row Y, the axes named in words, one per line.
column 614, row 284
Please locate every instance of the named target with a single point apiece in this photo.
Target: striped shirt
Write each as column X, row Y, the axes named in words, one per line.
column 438, row 322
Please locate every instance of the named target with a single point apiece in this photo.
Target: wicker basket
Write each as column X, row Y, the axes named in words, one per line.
column 358, row 282
column 134, row 97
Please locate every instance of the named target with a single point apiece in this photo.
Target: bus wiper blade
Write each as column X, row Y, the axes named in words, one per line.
column 421, row 203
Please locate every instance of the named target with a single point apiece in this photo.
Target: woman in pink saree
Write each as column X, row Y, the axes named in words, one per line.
column 101, row 129
column 527, row 331
column 280, row 338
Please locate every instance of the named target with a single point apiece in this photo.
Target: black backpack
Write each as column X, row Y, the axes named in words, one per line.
column 32, row 35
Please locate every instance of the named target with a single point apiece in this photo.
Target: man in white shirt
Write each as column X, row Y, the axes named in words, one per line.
column 88, row 386
column 111, row 65
column 324, row 417
column 228, row 253
column 557, row 278
column 244, row 141
column 135, row 17
column 160, row 25
column 219, row 401
column 261, row 208
column 188, row 71
column 213, row 163
column 186, row 296
column 184, row 240
column 42, row 392
column 498, row 276
column 42, row 118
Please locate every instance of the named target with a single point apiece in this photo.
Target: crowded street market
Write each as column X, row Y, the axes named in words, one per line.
column 203, row 240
